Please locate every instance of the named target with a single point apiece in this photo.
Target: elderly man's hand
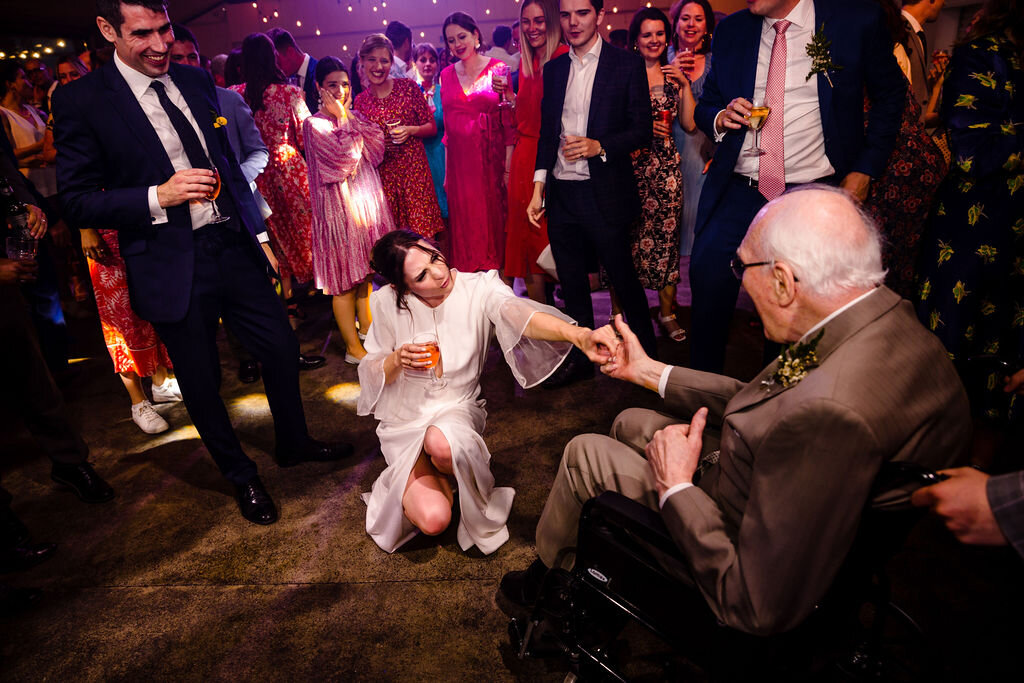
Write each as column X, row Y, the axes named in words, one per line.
column 674, row 452
column 630, row 362
column 962, row 502
column 600, row 345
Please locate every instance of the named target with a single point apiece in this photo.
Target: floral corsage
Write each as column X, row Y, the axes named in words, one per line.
column 821, row 57
column 795, row 361
column 219, row 121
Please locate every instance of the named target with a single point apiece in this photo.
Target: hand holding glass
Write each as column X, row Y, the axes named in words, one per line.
column 499, row 77
column 212, row 195
column 758, row 113
column 433, row 369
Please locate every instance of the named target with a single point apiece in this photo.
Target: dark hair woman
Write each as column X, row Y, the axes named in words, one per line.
column 279, row 110
column 421, row 378
column 343, row 150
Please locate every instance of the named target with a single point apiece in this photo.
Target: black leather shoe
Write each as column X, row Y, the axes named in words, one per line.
column 255, row 503
column 576, row 367
column 522, row 588
column 83, row 480
column 314, row 451
column 21, row 557
column 248, row 372
column 311, row 362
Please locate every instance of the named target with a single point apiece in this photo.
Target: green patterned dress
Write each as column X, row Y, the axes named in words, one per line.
column 972, row 261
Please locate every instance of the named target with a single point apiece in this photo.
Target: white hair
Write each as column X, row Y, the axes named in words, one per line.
column 831, row 244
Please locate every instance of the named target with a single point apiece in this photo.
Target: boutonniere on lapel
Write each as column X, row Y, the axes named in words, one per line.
column 821, row 57
column 795, row 361
column 218, row 120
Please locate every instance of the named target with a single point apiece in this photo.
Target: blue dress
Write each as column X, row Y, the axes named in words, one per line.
column 692, row 165
column 435, row 152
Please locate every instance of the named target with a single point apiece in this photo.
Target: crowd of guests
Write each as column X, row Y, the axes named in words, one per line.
column 829, row 183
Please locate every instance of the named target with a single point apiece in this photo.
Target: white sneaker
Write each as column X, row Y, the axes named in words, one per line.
column 166, row 392
column 148, row 419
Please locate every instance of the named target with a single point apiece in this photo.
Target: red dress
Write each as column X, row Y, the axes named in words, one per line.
column 284, row 183
column 525, row 242
column 405, row 172
column 476, row 133
column 131, row 341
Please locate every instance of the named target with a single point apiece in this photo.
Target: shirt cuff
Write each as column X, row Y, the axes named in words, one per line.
column 157, row 213
column 719, row 134
column 663, row 382
column 668, row 494
column 262, row 237
column 540, row 176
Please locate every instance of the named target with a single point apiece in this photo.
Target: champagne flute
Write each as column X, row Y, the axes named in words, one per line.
column 212, row 195
column 499, row 76
column 758, row 113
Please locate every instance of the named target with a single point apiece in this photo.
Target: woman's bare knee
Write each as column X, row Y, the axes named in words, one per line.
column 433, row 519
column 436, row 446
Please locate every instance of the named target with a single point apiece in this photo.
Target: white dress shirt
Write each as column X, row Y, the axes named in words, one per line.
column 804, row 138
column 300, row 75
column 139, row 83
column 576, row 113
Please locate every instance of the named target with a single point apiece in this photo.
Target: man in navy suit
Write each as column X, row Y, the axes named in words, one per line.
column 137, row 144
column 596, row 110
column 815, row 131
column 296, row 65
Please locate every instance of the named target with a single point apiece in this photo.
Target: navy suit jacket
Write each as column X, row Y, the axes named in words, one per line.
column 108, row 155
column 309, row 87
column 620, row 119
column 860, row 44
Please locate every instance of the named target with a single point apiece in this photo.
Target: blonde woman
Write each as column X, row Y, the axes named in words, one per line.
column 540, row 38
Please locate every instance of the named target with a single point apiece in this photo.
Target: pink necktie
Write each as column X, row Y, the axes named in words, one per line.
column 771, row 175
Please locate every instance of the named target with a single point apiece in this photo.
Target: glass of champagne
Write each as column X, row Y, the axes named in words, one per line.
column 499, row 76
column 212, row 195
column 434, row 369
column 758, row 113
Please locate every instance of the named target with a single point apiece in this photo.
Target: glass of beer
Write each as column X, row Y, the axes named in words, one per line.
column 390, row 127
column 434, row 369
column 758, row 113
column 665, row 116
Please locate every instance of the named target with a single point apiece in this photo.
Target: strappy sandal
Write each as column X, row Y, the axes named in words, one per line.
column 678, row 334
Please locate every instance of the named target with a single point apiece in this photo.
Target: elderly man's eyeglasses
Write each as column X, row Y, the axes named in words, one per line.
column 738, row 266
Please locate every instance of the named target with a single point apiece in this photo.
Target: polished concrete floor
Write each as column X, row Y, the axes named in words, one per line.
column 168, row 582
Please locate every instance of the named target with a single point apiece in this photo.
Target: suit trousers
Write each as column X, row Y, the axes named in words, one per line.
column 712, row 284
column 230, row 282
column 593, row 464
column 575, row 228
column 28, row 388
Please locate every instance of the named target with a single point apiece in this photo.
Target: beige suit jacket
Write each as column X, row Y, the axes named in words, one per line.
column 767, row 529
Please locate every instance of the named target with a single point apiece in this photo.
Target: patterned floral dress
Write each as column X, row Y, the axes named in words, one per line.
column 660, row 184
column 284, row 183
column 405, row 172
column 131, row 341
column 972, row 259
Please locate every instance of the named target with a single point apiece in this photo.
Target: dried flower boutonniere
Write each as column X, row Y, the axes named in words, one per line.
column 220, row 121
column 795, row 361
column 821, row 58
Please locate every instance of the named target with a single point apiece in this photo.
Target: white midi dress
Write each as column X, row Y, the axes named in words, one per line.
column 479, row 306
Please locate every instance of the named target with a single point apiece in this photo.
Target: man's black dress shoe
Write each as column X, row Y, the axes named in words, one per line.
column 83, row 480
column 311, row 362
column 313, row 451
column 21, row 557
column 522, row 588
column 255, row 503
column 575, row 368
column 248, row 371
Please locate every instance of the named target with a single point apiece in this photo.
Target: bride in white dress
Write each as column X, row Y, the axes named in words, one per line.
column 430, row 434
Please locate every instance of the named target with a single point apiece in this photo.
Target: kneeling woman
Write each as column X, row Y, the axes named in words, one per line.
column 431, row 414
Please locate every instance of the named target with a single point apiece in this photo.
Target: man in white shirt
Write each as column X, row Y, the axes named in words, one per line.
column 501, row 37
column 787, row 460
column 814, row 130
column 139, row 150
column 596, row 111
column 297, row 66
column 400, row 36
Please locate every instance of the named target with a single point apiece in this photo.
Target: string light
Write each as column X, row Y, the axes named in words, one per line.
column 48, row 50
column 383, row 4
column 344, row 48
column 276, row 15
column 318, row 31
column 298, row 24
column 254, row 5
column 609, row 27
column 2, row 55
column 264, row 20
column 615, row 10
column 350, row 8
column 422, row 34
column 61, row 43
column 487, row 11
column 374, row 8
column 385, row 22
column 35, row 55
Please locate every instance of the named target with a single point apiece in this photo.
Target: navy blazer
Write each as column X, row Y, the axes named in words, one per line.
column 108, row 156
column 860, row 44
column 620, row 119
column 309, row 86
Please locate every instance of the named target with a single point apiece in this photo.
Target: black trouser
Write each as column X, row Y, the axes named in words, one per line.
column 230, row 282
column 575, row 228
column 27, row 387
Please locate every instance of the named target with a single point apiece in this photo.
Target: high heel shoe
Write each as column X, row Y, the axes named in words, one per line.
column 670, row 326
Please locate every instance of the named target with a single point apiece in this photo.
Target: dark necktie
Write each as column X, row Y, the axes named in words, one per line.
column 186, row 133
column 924, row 45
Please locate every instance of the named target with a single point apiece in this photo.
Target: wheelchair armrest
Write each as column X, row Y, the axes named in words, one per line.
column 638, row 519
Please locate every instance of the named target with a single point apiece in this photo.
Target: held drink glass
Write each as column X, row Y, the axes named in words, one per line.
column 390, row 127
column 428, row 340
column 22, row 248
column 758, row 113
column 665, row 116
column 212, row 195
column 499, row 76
column 686, row 60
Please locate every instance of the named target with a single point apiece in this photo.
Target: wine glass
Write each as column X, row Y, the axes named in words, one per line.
column 758, row 113
column 22, row 248
column 499, row 76
column 428, row 340
column 212, row 195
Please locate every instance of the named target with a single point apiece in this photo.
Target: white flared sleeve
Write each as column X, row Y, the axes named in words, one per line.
column 531, row 360
column 380, row 343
